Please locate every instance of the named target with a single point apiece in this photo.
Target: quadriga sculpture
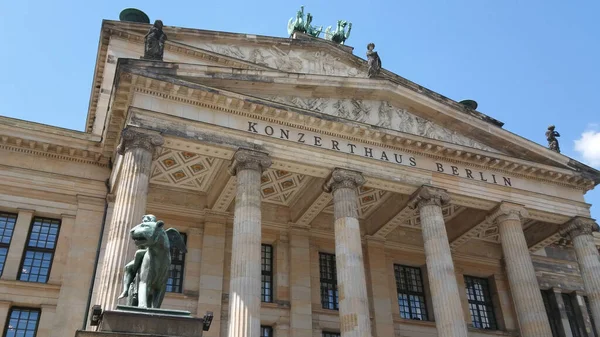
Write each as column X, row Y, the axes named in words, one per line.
column 145, row 279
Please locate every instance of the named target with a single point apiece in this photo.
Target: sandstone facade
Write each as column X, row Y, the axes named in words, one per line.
column 315, row 201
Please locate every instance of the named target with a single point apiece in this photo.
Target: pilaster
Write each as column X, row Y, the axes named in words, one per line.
column 17, row 244
column 301, row 322
column 380, row 290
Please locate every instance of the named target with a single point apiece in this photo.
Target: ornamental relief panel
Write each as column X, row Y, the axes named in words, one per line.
column 293, row 61
column 383, row 114
column 281, row 187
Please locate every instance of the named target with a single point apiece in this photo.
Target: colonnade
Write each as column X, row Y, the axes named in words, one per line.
column 137, row 147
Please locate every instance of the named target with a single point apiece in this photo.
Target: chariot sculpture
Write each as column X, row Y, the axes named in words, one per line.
column 340, row 35
column 300, row 24
column 145, row 279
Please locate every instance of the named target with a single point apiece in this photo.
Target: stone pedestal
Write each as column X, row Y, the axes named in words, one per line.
column 579, row 231
column 137, row 147
column 245, row 278
column 449, row 317
column 146, row 322
column 524, row 287
column 352, row 287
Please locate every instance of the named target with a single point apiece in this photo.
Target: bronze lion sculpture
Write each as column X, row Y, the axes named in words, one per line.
column 145, row 279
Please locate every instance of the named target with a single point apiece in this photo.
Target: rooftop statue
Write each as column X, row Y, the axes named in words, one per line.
column 299, row 24
column 145, row 279
column 374, row 60
column 154, row 42
column 340, row 35
column 551, row 137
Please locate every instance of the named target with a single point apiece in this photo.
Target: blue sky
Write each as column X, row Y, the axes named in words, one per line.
column 527, row 63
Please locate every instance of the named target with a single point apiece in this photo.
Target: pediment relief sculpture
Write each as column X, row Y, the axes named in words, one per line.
column 295, row 61
column 383, row 114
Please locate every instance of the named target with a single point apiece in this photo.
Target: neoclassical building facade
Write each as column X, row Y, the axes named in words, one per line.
column 314, row 200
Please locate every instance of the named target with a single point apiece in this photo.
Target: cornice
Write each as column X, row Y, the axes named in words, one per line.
column 307, row 120
column 51, row 150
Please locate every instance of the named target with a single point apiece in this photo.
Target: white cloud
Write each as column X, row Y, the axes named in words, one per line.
column 588, row 146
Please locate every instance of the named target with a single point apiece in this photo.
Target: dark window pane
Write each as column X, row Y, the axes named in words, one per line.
column 330, row 334
column 39, row 253
column 22, row 322
column 329, row 292
column 551, row 311
column 175, row 280
column 7, row 227
column 576, row 326
column 266, row 257
column 480, row 303
column 266, row 331
column 411, row 293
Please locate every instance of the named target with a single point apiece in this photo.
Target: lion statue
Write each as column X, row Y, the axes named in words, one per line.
column 145, row 279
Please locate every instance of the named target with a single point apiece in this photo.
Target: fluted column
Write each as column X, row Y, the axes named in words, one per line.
column 137, row 147
column 449, row 317
column 352, row 287
column 579, row 231
column 524, row 287
column 244, row 286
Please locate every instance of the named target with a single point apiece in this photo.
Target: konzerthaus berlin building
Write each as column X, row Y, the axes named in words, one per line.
column 315, row 200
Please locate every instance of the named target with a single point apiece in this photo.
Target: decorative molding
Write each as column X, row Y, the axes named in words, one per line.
column 315, row 208
column 184, row 169
column 47, row 149
column 470, row 234
column 342, row 178
column 545, row 242
column 578, row 226
column 448, row 212
column 429, row 195
column 397, row 221
column 369, row 200
column 136, row 138
column 507, row 211
column 281, row 187
column 245, row 159
column 227, row 195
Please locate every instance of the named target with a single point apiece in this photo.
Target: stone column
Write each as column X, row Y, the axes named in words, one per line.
column 579, row 231
column 245, row 279
column 137, row 147
column 352, row 286
column 524, row 287
column 449, row 317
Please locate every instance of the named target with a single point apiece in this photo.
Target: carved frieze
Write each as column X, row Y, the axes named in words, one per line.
column 380, row 113
column 294, row 61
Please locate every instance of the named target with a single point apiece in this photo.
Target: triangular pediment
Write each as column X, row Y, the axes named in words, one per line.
column 382, row 114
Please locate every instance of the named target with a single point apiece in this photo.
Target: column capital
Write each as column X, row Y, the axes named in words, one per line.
column 132, row 138
column 578, row 226
column 428, row 195
column 509, row 211
column 342, row 178
column 246, row 159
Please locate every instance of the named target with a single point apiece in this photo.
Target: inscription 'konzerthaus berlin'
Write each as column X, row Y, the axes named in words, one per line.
column 371, row 152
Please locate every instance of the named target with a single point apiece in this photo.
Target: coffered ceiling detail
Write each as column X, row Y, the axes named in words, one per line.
column 184, row 169
column 368, row 201
column 448, row 211
column 281, row 187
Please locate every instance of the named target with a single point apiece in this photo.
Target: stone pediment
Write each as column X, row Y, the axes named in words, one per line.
column 382, row 114
column 284, row 58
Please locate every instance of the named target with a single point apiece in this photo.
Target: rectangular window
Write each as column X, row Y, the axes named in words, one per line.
column 589, row 310
column 551, row 311
column 39, row 252
column 329, row 290
column 7, row 226
column 175, row 281
column 266, row 331
column 266, row 294
column 22, row 322
column 331, row 334
column 576, row 327
column 411, row 293
column 480, row 303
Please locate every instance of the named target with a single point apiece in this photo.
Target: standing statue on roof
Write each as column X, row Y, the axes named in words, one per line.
column 302, row 25
column 551, row 136
column 340, row 35
column 374, row 61
column 154, row 42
